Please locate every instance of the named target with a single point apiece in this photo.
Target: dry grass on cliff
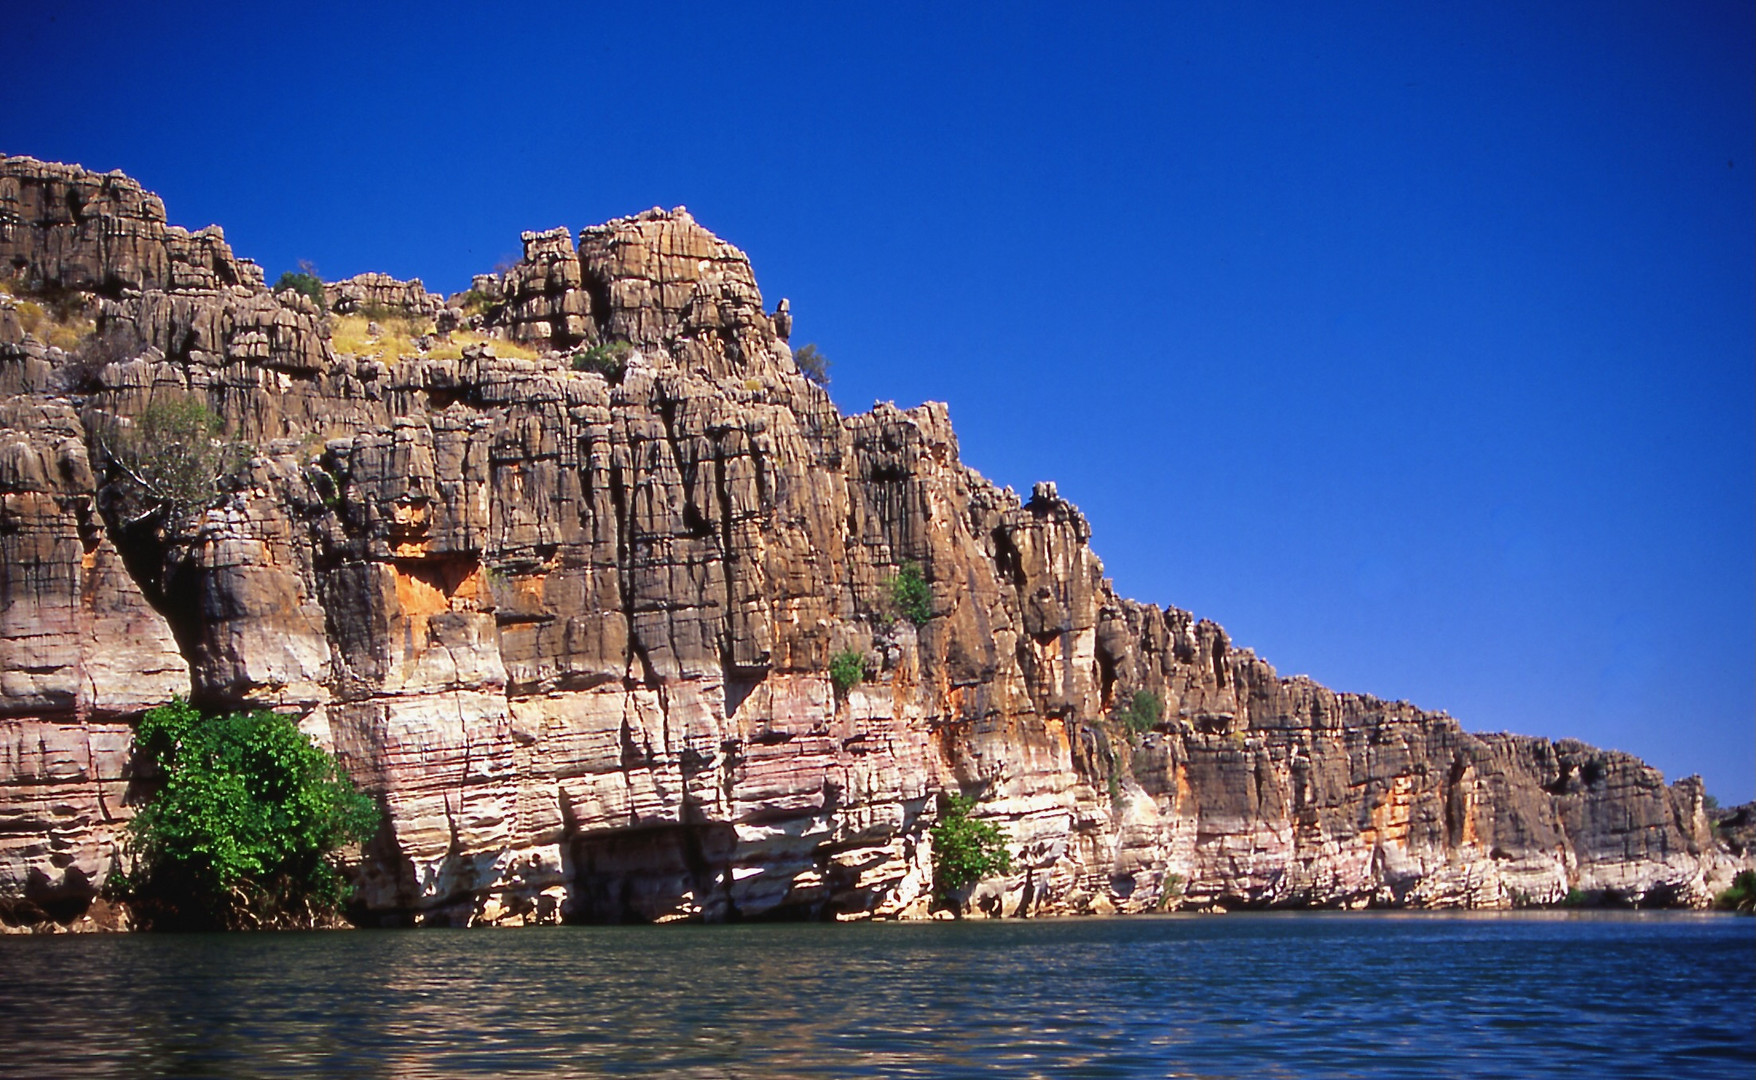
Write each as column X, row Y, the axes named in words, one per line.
column 352, row 335
column 63, row 325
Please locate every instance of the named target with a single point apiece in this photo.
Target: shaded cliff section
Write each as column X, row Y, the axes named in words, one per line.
column 572, row 630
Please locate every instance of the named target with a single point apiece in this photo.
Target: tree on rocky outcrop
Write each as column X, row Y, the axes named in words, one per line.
column 847, row 669
column 907, row 594
column 306, row 282
column 172, row 458
column 964, row 850
column 1142, row 713
column 247, row 828
column 812, row 364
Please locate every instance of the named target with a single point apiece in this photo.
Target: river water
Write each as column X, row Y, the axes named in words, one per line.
column 1294, row 995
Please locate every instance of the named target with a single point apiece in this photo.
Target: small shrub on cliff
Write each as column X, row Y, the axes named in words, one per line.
column 607, row 358
column 1170, row 890
column 908, row 593
column 812, row 364
column 1142, row 713
column 473, row 302
column 965, row 850
column 847, row 669
column 244, row 833
column 1741, row 897
column 305, row 282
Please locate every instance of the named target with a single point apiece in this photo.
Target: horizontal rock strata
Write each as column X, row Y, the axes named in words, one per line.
column 572, row 628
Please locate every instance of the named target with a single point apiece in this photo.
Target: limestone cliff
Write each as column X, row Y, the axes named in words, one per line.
column 573, row 628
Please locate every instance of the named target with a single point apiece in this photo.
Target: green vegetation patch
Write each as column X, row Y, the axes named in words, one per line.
column 304, row 281
column 245, row 831
column 847, row 669
column 908, row 594
column 1741, row 897
column 1144, row 711
column 609, row 359
column 965, row 850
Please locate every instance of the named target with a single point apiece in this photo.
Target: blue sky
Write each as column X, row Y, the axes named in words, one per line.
column 1415, row 344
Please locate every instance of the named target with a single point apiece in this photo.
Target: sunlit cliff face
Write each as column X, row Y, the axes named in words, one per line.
column 573, row 627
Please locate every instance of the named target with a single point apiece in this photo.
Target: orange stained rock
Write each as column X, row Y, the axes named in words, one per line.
column 432, row 587
column 419, row 590
column 1390, row 818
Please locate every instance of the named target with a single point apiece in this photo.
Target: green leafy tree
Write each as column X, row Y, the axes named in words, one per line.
column 1142, row 713
column 812, row 364
column 306, row 282
column 965, row 850
column 847, row 669
column 1741, row 897
column 247, row 827
column 909, row 594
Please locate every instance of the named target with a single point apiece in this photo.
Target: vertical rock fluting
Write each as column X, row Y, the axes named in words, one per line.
column 573, row 631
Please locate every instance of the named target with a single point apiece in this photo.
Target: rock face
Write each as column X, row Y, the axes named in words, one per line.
column 574, row 632
column 373, row 293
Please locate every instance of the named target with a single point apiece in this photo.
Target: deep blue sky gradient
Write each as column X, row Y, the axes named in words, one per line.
column 1415, row 344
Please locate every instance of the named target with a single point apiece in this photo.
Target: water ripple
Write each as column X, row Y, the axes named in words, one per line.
column 1189, row 997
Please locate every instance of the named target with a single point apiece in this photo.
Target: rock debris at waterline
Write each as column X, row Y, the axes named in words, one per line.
column 573, row 627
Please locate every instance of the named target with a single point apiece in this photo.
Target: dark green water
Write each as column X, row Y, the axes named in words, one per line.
column 1427, row 996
